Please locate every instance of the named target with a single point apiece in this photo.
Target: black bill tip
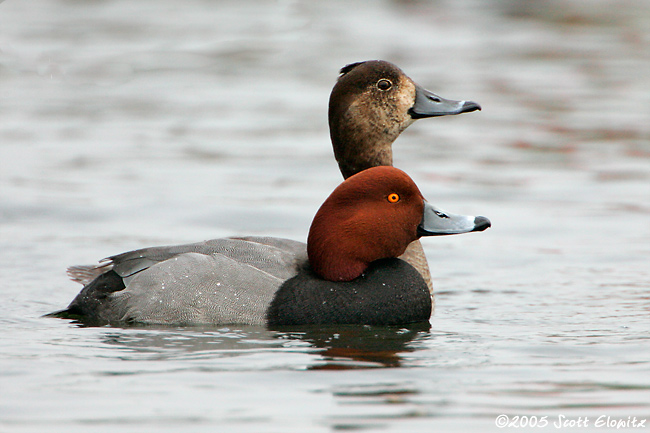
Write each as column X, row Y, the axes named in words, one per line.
column 481, row 223
column 470, row 106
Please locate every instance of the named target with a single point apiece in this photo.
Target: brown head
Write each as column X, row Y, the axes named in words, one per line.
column 373, row 215
column 370, row 105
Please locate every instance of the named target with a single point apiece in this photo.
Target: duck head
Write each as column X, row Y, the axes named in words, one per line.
column 374, row 215
column 370, row 105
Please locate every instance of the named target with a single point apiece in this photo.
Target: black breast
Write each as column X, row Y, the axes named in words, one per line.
column 390, row 292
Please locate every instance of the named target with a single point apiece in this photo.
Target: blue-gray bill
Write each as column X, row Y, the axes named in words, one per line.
column 428, row 104
column 436, row 222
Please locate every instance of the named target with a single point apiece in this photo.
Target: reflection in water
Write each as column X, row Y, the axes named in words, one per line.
column 355, row 346
column 339, row 347
column 159, row 342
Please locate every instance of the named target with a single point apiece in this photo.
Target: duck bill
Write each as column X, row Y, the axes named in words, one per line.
column 428, row 104
column 436, row 222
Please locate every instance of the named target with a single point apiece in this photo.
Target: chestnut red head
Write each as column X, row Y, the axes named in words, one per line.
column 372, row 215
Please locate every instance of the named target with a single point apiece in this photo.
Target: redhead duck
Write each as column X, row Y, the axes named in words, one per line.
column 370, row 105
column 347, row 273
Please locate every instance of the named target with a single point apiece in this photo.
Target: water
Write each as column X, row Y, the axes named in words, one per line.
column 129, row 124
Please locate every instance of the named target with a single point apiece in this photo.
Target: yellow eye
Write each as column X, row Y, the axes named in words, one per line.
column 393, row 198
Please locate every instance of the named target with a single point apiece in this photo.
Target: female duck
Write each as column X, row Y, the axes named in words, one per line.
column 347, row 273
column 370, row 105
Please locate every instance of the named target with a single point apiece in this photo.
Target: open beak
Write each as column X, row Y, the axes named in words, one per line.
column 436, row 222
column 428, row 104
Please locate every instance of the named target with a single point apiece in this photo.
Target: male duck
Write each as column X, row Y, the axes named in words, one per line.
column 348, row 272
column 370, row 105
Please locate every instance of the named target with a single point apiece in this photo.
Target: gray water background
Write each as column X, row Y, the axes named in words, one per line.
column 126, row 124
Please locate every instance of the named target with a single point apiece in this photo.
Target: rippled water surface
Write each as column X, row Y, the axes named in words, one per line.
column 129, row 124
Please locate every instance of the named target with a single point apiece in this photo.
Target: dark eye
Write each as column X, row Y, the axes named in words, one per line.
column 384, row 84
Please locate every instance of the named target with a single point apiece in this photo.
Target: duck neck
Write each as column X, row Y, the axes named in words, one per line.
column 354, row 154
column 338, row 269
column 360, row 145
